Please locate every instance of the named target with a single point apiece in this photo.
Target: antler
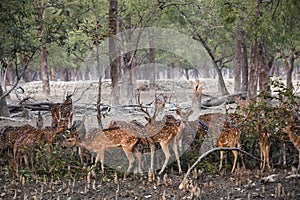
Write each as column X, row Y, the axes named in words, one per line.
column 70, row 95
column 138, row 93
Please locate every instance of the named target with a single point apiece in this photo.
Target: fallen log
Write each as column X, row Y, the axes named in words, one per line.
column 217, row 101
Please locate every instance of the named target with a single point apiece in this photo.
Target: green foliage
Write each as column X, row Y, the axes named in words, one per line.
column 269, row 113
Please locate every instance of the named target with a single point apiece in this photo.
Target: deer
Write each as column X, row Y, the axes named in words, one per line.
column 195, row 129
column 78, row 126
column 63, row 112
column 10, row 134
column 161, row 132
column 293, row 131
column 133, row 127
column 197, row 91
column 230, row 136
column 39, row 121
column 264, row 146
column 110, row 138
column 26, row 143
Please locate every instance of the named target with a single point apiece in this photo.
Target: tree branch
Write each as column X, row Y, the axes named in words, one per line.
column 184, row 181
column 19, row 76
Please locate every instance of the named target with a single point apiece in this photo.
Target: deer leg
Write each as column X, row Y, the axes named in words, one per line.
column 298, row 159
column 235, row 153
column 175, row 149
column 267, row 157
column 139, row 157
column 80, row 155
column 96, row 161
column 283, row 154
column 101, row 155
column 165, row 148
column 262, row 157
column 152, row 149
column 221, row 159
column 130, row 158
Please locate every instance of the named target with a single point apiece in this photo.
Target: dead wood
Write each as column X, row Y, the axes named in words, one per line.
column 217, row 101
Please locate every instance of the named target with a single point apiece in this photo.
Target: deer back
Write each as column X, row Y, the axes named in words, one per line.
column 10, row 134
column 133, row 127
column 119, row 137
column 230, row 136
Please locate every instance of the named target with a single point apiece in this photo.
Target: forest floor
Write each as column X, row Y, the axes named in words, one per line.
column 278, row 183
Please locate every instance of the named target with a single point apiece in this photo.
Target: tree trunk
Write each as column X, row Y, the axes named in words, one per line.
column 196, row 73
column 178, row 75
column 263, row 68
column 43, row 51
column 3, row 104
column 172, row 69
column 252, row 89
column 152, row 67
column 218, row 68
column 87, row 67
column 27, row 74
column 237, row 60
column 113, row 56
column 44, row 70
column 188, row 75
column 244, row 66
column 289, row 66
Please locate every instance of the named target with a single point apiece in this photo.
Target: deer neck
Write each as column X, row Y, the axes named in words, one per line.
column 86, row 144
column 292, row 135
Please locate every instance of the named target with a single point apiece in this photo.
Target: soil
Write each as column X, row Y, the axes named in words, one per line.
column 277, row 183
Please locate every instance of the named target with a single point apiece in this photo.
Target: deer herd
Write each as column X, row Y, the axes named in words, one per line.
column 17, row 143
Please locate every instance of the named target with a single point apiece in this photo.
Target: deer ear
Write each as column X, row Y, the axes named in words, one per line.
column 190, row 112
column 177, row 112
column 148, row 119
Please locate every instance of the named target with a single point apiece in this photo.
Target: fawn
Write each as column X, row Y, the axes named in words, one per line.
column 230, row 136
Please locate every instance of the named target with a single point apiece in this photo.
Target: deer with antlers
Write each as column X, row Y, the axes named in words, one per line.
column 161, row 132
column 63, row 112
column 110, row 138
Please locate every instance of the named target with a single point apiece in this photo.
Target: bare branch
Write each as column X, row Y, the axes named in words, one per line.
column 19, row 76
column 184, row 181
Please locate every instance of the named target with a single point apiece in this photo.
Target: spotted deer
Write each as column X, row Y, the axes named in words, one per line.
column 264, row 146
column 161, row 132
column 26, row 144
column 110, row 138
column 230, row 136
column 190, row 129
column 78, row 126
column 133, row 127
column 63, row 112
column 293, row 130
column 10, row 134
